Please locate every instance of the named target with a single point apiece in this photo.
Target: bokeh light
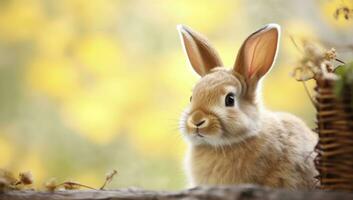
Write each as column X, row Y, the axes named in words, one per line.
column 88, row 86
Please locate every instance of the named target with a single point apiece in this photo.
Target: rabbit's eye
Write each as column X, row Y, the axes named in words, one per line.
column 229, row 101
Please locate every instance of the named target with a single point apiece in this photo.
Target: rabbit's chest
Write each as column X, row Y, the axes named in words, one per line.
column 222, row 166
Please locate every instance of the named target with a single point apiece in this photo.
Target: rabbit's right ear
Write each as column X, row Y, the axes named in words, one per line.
column 257, row 54
column 202, row 56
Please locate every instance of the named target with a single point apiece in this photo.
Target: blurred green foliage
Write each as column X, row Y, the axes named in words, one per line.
column 345, row 74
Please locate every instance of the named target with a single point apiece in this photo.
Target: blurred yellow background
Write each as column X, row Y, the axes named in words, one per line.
column 92, row 85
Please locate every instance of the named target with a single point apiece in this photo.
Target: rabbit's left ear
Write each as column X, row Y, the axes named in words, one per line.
column 202, row 56
column 257, row 54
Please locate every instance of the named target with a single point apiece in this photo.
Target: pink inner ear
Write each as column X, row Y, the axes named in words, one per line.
column 250, row 56
column 257, row 53
column 260, row 54
column 202, row 56
column 250, row 53
column 251, row 72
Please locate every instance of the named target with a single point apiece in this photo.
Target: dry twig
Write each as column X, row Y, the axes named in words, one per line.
column 108, row 178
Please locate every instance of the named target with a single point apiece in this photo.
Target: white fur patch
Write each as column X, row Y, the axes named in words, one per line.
column 232, row 89
column 190, row 138
column 187, row 168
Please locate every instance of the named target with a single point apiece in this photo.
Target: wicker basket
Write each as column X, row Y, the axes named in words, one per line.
column 335, row 129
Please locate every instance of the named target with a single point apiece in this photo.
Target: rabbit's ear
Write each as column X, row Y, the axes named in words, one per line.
column 257, row 54
column 202, row 56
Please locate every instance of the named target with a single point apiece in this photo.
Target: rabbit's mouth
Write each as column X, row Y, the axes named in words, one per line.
column 198, row 134
column 208, row 132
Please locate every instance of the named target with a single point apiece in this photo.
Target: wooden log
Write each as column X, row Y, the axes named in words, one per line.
column 205, row 193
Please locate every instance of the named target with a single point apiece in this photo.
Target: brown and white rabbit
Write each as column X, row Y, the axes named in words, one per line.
column 232, row 138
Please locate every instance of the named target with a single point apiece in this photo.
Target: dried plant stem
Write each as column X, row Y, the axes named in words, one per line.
column 348, row 47
column 341, row 61
column 295, row 44
column 309, row 95
column 75, row 184
column 109, row 177
column 103, row 186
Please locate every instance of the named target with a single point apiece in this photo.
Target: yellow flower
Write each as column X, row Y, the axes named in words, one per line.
column 205, row 15
column 155, row 133
column 56, row 78
column 55, row 37
column 93, row 115
column 21, row 21
column 99, row 55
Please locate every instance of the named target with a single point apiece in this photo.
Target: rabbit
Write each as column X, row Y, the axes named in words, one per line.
column 232, row 138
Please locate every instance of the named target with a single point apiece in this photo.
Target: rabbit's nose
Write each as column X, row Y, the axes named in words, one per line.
column 197, row 120
column 197, row 124
column 200, row 123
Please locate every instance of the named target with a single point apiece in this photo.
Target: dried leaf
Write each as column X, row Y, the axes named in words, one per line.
column 331, row 54
column 51, row 185
column 26, row 178
column 71, row 185
column 8, row 177
column 316, row 62
column 3, row 184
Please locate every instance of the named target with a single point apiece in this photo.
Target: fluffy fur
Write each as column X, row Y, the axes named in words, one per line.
column 243, row 143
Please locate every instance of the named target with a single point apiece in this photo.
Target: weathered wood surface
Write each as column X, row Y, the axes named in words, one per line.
column 205, row 193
